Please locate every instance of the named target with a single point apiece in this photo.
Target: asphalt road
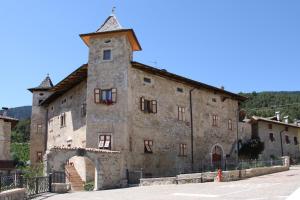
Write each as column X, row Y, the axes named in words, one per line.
column 273, row 187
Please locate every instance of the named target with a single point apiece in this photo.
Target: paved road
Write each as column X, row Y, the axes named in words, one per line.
column 273, row 187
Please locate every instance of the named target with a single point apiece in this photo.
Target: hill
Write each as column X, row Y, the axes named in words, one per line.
column 20, row 113
column 265, row 104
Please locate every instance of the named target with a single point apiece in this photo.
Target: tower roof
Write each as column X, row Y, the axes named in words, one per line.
column 46, row 84
column 111, row 26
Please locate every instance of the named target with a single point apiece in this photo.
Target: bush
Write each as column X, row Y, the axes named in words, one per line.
column 89, row 186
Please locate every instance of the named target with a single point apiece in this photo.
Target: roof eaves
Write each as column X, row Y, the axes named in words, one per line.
column 176, row 77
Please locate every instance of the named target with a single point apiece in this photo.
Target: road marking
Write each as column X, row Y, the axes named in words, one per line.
column 295, row 195
column 195, row 195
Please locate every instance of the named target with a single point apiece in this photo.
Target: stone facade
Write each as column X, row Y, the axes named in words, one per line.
column 269, row 131
column 181, row 141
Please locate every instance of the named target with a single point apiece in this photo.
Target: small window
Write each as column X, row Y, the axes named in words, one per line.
column 39, row 156
column 41, row 94
column 63, row 120
column 287, row 139
column 286, row 129
column 52, row 108
column 270, row 126
column 271, row 137
column 107, row 54
column 39, row 129
column 40, row 101
column 296, row 141
column 105, row 142
column 64, row 101
column 108, row 96
column 148, row 106
column 182, row 150
column 214, row 100
column 180, row 90
column 83, row 110
column 107, row 41
column 148, row 144
column 181, row 113
column 147, row 80
column 230, row 127
column 215, row 120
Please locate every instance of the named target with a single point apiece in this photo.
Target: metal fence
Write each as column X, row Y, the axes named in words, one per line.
column 33, row 186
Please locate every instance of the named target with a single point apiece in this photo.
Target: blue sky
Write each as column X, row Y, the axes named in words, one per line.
column 244, row 45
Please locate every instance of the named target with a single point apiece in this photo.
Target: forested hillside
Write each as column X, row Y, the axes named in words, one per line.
column 267, row 103
column 20, row 113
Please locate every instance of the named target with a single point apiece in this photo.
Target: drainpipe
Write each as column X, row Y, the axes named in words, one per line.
column 237, row 133
column 46, row 134
column 192, row 129
column 281, row 141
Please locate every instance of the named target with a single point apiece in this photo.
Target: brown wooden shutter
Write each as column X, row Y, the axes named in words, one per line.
column 114, row 95
column 142, row 104
column 97, row 93
column 154, row 106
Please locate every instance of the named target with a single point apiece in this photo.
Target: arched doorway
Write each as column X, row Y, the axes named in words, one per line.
column 217, row 156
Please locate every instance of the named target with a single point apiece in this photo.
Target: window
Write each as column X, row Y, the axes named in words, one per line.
column 214, row 100
column 180, row 90
column 270, row 126
column 215, row 120
column 148, row 144
column 287, row 139
column 296, row 141
column 272, row 138
column 39, row 129
column 107, row 54
column 181, row 113
column 64, row 101
column 108, row 96
column 148, row 106
column 230, row 124
column 147, row 80
column 51, row 125
column 63, row 120
column 39, row 156
column 107, row 41
column 182, row 150
column 105, row 142
column 83, row 109
column 286, row 129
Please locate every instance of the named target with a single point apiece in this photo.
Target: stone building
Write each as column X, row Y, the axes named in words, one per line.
column 280, row 137
column 6, row 124
column 144, row 117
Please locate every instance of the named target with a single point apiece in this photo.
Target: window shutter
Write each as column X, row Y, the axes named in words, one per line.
column 142, row 104
column 114, row 95
column 154, row 106
column 97, row 93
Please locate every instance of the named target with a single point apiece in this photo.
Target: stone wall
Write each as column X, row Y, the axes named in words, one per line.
column 16, row 194
column 5, row 135
column 167, row 132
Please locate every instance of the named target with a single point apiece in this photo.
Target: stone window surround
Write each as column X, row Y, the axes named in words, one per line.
column 287, row 140
column 296, row 140
column 215, row 120
column 230, row 125
column 62, row 119
column 39, row 156
column 271, row 137
column 39, row 129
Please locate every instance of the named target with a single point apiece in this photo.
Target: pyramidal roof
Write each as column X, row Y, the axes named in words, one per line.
column 45, row 84
column 110, row 24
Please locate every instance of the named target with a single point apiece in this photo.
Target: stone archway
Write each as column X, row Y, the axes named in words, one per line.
column 217, row 154
column 108, row 171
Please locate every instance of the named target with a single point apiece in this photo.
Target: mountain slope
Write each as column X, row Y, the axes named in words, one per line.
column 20, row 113
column 267, row 103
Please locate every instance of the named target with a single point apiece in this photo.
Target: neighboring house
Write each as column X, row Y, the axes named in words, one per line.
column 280, row 137
column 6, row 124
column 160, row 122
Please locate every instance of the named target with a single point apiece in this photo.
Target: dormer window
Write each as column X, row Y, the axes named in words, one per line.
column 107, row 54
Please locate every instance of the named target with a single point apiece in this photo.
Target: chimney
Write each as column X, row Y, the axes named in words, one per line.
column 286, row 119
column 4, row 111
column 277, row 115
column 222, row 87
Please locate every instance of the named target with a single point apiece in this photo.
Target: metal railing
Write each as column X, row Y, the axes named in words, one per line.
column 9, row 182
